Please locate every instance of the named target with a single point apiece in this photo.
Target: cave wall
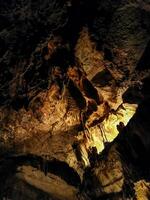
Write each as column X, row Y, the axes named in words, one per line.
column 66, row 68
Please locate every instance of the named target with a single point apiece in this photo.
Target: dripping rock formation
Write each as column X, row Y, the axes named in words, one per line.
column 74, row 100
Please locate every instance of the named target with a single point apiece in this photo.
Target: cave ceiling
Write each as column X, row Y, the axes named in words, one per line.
column 74, row 99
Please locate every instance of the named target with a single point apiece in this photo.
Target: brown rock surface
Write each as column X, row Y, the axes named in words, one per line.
column 72, row 75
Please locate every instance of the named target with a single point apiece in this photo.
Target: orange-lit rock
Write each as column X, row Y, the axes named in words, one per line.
column 88, row 57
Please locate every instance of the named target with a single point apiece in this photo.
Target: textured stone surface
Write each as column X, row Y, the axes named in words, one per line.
column 110, row 174
column 36, row 185
column 142, row 190
column 71, row 76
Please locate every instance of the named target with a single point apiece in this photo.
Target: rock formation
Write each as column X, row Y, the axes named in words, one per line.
column 74, row 106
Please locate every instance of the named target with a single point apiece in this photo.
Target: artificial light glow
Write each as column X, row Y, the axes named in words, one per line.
column 123, row 115
column 107, row 130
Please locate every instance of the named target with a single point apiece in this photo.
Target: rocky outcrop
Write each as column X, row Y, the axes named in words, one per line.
column 142, row 190
column 34, row 185
column 122, row 170
column 72, row 75
column 109, row 175
column 123, row 28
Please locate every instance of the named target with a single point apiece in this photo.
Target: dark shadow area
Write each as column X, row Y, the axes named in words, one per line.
column 108, row 54
column 146, row 87
column 76, row 95
column 102, row 78
column 90, row 90
column 138, row 147
column 62, row 58
column 63, row 170
column 81, row 14
column 133, row 95
column 144, row 62
column 19, row 103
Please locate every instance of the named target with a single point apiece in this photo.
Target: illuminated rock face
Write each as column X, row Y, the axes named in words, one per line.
column 71, row 98
column 142, row 190
column 65, row 125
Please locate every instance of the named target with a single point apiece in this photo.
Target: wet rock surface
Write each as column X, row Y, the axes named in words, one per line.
column 74, row 100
